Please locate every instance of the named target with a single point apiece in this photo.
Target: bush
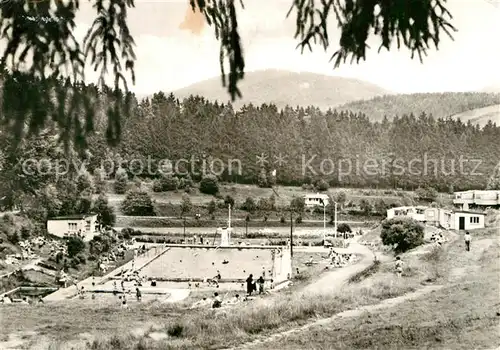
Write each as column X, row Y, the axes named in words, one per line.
column 381, row 207
column 138, row 203
column 212, row 207
column 298, row 204
column 298, row 220
column 402, row 233
column 14, row 238
column 282, row 220
column 75, row 246
column 121, row 180
column 188, row 181
column 157, row 186
column 344, row 228
column 341, row 198
column 365, row 207
column 169, row 183
column 81, row 259
column 262, row 179
column 105, row 213
column 209, row 185
column 25, row 233
column 186, row 205
column 318, row 209
column 427, row 194
column 264, row 204
column 249, row 205
column 228, row 200
column 322, row 185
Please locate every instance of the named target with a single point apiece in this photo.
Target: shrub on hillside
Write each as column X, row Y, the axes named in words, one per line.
column 84, row 181
column 157, row 185
column 381, row 207
column 100, row 181
column 169, row 183
column 263, row 180
column 209, row 185
column 264, row 204
column 138, row 203
column 298, row 220
column 365, row 207
column 188, row 181
column 249, row 205
column 297, row 204
column 427, row 194
column 186, row 205
column 228, row 200
column 344, row 228
column 105, row 213
column 75, row 246
column 211, row 207
column 121, row 180
column 322, row 185
column 340, row 198
column 402, row 233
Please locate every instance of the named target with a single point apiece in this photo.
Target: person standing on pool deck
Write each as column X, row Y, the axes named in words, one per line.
column 467, row 241
column 250, row 284
column 261, row 284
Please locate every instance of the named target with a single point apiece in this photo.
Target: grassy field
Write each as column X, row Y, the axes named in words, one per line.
column 480, row 116
column 284, row 194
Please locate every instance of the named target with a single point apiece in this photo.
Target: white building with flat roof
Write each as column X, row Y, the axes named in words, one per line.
column 477, row 198
column 467, row 220
column 448, row 219
column 83, row 226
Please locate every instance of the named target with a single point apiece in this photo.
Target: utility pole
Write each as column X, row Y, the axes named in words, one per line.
column 335, row 228
column 291, row 233
column 184, row 226
column 324, row 223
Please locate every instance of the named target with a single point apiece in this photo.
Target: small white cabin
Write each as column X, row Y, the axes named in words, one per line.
column 318, row 199
column 467, row 220
column 416, row 213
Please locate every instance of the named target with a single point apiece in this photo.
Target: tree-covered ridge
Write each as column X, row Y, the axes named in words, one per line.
column 439, row 105
column 195, row 127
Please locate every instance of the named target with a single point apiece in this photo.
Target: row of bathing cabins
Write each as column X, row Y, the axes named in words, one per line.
column 461, row 219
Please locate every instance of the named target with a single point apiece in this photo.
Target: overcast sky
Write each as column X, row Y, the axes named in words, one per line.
column 171, row 57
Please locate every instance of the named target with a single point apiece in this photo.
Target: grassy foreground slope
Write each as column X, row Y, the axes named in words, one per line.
column 440, row 105
column 464, row 314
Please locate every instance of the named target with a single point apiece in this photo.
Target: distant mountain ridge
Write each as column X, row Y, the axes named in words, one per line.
column 284, row 88
column 461, row 105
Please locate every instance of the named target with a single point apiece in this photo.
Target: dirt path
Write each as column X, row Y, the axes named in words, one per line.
column 469, row 261
column 334, row 280
column 260, row 343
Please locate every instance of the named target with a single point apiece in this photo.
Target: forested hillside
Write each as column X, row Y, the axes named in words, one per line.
column 439, row 105
column 342, row 147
